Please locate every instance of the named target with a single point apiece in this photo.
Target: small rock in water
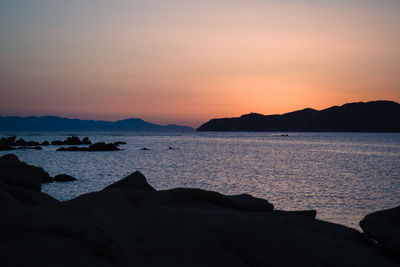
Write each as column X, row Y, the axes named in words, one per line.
column 86, row 141
column 45, row 143
column 20, row 142
column 100, row 146
column 64, row 178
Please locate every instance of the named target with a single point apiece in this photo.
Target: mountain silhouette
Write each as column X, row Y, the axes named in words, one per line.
column 375, row 116
column 54, row 123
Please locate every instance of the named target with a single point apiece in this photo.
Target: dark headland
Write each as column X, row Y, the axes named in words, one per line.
column 130, row 223
column 375, row 116
column 54, row 123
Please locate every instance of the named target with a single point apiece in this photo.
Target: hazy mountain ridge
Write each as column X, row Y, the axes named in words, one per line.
column 374, row 116
column 55, row 123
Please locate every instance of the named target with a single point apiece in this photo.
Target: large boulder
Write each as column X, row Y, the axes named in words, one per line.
column 134, row 181
column 384, row 227
column 127, row 226
column 17, row 173
column 73, row 140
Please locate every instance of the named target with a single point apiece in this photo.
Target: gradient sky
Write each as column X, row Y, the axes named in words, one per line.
column 186, row 62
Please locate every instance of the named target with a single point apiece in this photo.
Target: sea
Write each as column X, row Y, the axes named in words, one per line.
column 344, row 176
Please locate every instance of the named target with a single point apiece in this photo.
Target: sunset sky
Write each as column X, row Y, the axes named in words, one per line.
column 186, row 62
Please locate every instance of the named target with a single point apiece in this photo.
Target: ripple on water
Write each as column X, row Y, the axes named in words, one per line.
column 344, row 176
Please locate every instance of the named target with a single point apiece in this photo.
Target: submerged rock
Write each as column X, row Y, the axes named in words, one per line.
column 384, row 227
column 64, row 178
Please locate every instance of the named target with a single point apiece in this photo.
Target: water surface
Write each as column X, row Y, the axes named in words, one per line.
column 344, row 176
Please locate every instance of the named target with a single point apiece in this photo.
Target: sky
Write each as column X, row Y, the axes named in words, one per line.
column 186, row 62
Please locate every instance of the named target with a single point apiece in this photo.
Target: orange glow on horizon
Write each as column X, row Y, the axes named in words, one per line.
column 185, row 63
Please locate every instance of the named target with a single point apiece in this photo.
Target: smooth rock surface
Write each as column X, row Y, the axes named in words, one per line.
column 128, row 224
column 384, row 227
column 18, row 173
column 134, row 181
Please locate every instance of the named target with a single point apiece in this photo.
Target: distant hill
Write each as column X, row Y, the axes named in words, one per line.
column 53, row 123
column 375, row 116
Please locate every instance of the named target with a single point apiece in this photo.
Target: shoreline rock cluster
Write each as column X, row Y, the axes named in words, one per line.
column 72, row 141
column 99, row 146
column 130, row 223
column 11, row 143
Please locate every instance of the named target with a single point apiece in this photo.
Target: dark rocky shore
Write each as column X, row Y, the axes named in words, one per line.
column 129, row 223
column 10, row 143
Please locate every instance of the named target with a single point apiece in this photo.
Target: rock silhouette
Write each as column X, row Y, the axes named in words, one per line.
column 129, row 223
column 134, row 181
column 375, row 116
column 384, row 227
column 10, row 144
column 64, row 178
column 7, row 143
column 72, row 141
column 100, row 146
column 17, row 173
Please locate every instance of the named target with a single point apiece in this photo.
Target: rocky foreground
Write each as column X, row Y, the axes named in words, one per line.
column 129, row 223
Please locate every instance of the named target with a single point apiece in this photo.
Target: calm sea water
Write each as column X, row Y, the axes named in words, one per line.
column 344, row 176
